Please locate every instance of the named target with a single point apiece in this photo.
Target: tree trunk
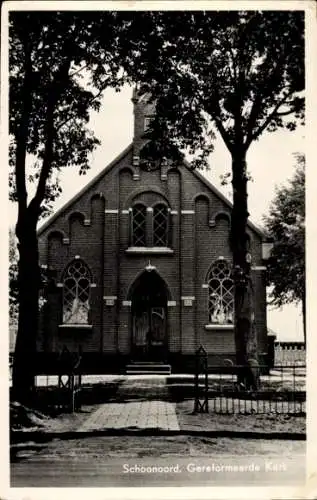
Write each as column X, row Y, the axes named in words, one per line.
column 244, row 331
column 29, row 281
column 28, row 216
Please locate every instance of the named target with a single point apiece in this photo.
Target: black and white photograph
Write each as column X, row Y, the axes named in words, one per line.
column 157, row 155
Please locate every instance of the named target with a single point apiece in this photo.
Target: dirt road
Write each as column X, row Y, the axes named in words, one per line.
column 158, row 461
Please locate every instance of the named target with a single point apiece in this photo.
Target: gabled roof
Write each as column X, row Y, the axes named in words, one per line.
column 105, row 170
column 219, row 194
column 114, row 162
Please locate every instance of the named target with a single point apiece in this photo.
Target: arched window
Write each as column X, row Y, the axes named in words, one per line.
column 221, row 293
column 160, row 225
column 139, row 226
column 76, row 293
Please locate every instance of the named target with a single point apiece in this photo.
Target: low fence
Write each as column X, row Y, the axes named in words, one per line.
column 289, row 353
column 69, row 380
column 282, row 391
column 62, row 391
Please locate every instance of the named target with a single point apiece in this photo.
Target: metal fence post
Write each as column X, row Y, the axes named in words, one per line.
column 201, row 399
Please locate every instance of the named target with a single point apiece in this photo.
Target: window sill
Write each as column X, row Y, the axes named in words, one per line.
column 149, row 250
column 216, row 326
column 76, row 326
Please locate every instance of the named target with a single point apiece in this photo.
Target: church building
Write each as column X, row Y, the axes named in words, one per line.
column 141, row 269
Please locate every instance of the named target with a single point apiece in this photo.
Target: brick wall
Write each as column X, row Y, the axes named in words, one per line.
column 96, row 226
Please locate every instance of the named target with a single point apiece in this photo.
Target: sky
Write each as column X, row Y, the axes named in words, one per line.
column 270, row 163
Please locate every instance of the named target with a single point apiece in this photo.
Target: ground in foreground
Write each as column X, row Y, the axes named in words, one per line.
column 158, row 461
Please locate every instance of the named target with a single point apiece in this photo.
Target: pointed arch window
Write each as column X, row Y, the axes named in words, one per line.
column 76, row 293
column 221, row 293
column 160, row 225
column 139, row 225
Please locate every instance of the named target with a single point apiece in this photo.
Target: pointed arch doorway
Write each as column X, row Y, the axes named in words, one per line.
column 149, row 296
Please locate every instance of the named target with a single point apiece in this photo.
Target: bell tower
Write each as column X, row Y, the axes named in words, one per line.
column 143, row 111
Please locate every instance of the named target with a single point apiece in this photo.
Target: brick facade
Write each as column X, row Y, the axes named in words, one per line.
column 96, row 227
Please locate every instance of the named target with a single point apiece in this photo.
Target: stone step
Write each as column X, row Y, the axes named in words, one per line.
column 148, row 368
column 147, row 372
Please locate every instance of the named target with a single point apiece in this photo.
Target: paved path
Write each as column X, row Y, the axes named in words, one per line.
column 138, row 414
column 143, row 386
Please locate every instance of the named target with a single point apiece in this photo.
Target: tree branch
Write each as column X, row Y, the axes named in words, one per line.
column 266, row 122
column 253, row 116
column 223, row 132
column 78, row 71
column 213, row 109
column 258, row 100
column 285, row 113
column 47, row 158
column 57, row 87
column 71, row 117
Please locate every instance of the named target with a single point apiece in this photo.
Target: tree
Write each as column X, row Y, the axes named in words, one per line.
column 59, row 63
column 286, row 223
column 237, row 74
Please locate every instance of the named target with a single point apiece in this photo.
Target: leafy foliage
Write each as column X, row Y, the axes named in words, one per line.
column 238, row 73
column 67, row 59
column 286, row 223
column 59, row 62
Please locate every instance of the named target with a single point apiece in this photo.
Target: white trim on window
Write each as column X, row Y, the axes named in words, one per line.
column 149, row 250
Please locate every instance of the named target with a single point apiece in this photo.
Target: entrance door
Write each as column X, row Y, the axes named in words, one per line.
column 149, row 308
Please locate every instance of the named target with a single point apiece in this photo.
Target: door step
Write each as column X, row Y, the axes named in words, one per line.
column 148, row 368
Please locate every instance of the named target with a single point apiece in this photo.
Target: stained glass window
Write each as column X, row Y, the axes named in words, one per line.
column 76, row 293
column 139, row 226
column 160, row 225
column 221, row 293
